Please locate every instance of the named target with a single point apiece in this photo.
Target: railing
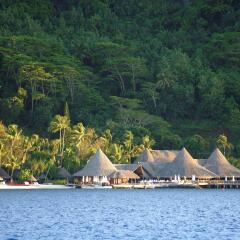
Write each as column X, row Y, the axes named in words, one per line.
column 219, row 182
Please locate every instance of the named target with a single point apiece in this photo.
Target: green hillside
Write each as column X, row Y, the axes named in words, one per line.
column 159, row 69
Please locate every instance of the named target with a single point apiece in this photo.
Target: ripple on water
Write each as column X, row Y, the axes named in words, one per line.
column 120, row 214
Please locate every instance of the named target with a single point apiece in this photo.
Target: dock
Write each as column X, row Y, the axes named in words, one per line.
column 220, row 184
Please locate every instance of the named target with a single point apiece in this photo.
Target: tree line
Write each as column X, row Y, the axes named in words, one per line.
column 71, row 146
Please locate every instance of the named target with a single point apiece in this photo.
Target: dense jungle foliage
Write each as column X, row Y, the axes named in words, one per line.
column 117, row 74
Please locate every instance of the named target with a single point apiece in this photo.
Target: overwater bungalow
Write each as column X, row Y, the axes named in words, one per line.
column 98, row 168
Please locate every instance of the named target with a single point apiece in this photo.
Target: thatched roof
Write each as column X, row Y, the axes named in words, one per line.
column 4, row 174
column 157, row 156
column 131, row 175
column 97, row 165
column 149, row 169
column 145, row 156
column 32, row 179
column 144, row 168
column 185, row 165
column 118, row 174
column 131, row 167
column 124, row 174
column 64, row 173
column 218, row 164
column 164, row 156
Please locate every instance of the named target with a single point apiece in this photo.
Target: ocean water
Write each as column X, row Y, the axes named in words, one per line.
column 120, row 214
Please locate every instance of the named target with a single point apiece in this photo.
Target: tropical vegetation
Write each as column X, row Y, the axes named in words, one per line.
column 120, row 75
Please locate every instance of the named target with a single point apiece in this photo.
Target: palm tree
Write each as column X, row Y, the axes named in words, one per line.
column 222, row 143
column 78, row 133
column 60, row 124
column 2, row 150
column 17, row 146
column 116, row 152
column 148, row 142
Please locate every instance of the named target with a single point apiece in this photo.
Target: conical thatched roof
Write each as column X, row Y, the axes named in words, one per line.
column 185, row 165
column 164, row 156
column 218, row 164
column 157, row 156
column 32, row 179
column 145, row 156
column 63, row 173
column 126, row 166
column 98, row 165
column 4, row 174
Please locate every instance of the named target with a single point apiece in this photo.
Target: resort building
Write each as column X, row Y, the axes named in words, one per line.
column 157, row 164
column 97, row 169
column 122, row 176
column 63, row 173
column 185, row 167
column 100, row 169
column 169, row 164
column 218, row 164
column 143, row 170
column 157, row 156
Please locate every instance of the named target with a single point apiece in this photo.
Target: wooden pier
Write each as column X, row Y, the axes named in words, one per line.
column 220, row 184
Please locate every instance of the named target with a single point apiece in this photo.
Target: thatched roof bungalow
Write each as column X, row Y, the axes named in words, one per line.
column 97, row 167
column 185, row 166
column 63, row 173
column 122, row 176
column 143, row 169
column 218, row 164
